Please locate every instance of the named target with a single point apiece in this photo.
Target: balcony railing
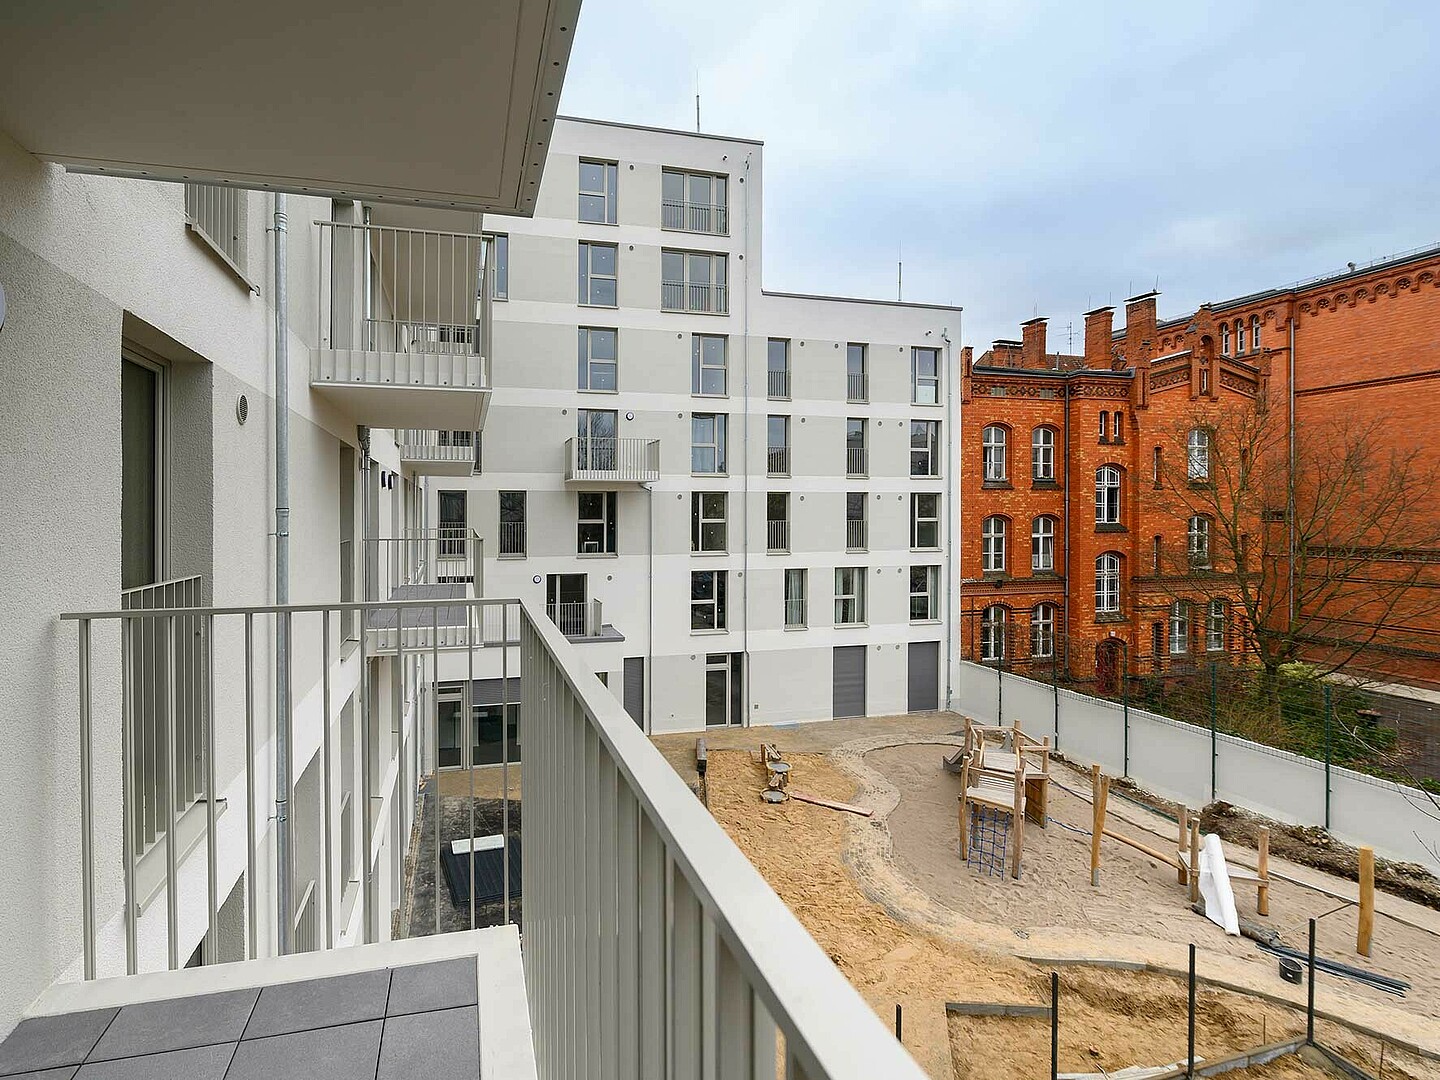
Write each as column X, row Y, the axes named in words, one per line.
column 686, row 296
column 685, row 216
column 857, row 387
column 347, row 840
column 512, row 538
column 777, row 385
column 856, row 534
column 612, row 460
column 304, row 935
column 577, row 618
column 777, row 461
column 777, row 536
column 448, row 453
column 449, row 555
column 856, row 461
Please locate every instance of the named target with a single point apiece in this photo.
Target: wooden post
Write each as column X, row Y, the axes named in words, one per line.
column 1262, row 869
column 1194, row 860
column 965, row 809
column 1099, row 790
column 1367, row 901
column 1181, row 873
column 1018, row 813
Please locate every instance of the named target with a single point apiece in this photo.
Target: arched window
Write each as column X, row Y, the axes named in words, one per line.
column 1107, row 584
column 1158, row 469
column 1224, row 339
column 992, row 633
column 1042, row 543
column 995, row 466
column 992, row 545
column 1255, row 332
column 1215, row 626
column 1104, row 426
column 1107, row 495
column 1042, row 631
column 1179, row 628
column 1199, row 542
column 1239, row 337
column 1197, row 453
column 1042, row 454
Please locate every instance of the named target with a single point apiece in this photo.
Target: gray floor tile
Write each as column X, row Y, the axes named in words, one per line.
column 345, row 999
column 196, row 1063
column 441, row 1045
column 338, row 1053
column 45, row 1042
column 158, row 1026
column 445, row 984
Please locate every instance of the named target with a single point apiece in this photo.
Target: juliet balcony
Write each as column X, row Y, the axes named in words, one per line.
column 604, row 461
column 405, row 337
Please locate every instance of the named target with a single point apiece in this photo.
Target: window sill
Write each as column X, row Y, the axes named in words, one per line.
column 708, row 554
column 1111, row 617
column 772, row 397
column 717, row 475
column 693, row 232
column 1044, row 485
column 857, row 551
column 926, row 476
column 606, row 307
column 588, row 390
column 684, row 311
column 597, row 554
column 857, row 476
column 852, row 626
column 511, row 555
column 997, row 485
column 708, row 633
column 795, row 629
column 1110, row 527
column 926, row 549
column 777, row 476
column 710, row 397
column 924, row 622
column 1044, row 575
column 857, row 401
column 777, row 551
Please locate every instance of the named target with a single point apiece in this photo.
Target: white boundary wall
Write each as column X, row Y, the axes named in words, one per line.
column 1173, row 760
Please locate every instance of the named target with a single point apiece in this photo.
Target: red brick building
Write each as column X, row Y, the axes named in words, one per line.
column 1070, row 544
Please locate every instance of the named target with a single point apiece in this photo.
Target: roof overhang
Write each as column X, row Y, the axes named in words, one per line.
column 443, row 103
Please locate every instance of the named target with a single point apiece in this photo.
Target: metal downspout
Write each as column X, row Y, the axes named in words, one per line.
column 283, row 854
column 745, row 489
column 952, row 513
column 647, row 722
column 1065, row 593
column 1290, row 485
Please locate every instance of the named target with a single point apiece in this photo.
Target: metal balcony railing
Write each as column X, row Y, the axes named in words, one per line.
column 777, row 461
column 577, row 618
column 629, row 883
column 777, row 536
column 777, row 385
column 612, row 460
column 856, row 534
column 512, row 538
column 857, row 387
column 304, row 935
column 347, row 840
column 685, row 216
column 856, row 461
column 449, row 555
column 456, row 447
column 702, row 299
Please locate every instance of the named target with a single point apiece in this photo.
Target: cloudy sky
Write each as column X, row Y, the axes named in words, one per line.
column 1046, row 158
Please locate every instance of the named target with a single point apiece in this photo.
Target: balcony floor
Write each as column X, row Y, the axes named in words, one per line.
column 395, row 1010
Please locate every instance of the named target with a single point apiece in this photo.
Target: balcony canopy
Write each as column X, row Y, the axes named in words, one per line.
column 443, row 103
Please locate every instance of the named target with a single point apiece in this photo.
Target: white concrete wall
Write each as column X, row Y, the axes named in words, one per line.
column 1173, row 759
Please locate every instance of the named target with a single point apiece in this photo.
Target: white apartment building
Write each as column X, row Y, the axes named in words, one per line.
column 738, row 501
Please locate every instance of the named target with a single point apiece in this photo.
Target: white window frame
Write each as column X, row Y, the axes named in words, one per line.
column 1197, row 456
column 1179, row 627
column 993, row 620
column 702, row 365
column 1240, row 337
column 929, row 434
column 921, row 521
column 992, row 544
column 720, row 425
column 850, row 595
column 928, row 595
column 1255, row 333
column 588, row 362
column 588, row 276
column 1109, row 504
column 796, row 613
column 929, row 384
column 1198, row 541
column 1215, row 625
column 716, row 603
column 1042, row 544
column 994, row 442
column 703, row 520
column 1225, row 339
column 1107, row 584
column 1042, row 454
column 1042, row 631
column 608, row 194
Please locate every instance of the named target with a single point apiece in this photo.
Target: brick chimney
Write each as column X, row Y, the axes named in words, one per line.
column 1032, row 343
column 967, row 361
column 1099, row 326
column 1139, row 323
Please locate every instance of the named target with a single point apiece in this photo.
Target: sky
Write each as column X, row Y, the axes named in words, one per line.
column 1043, row 158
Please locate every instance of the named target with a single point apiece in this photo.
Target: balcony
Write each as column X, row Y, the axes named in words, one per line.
column 404, row 326
column 777, row 385
column 437, row 453
column 605, row 462
column 445, row 564
column 512, row 539
column 694, row 298
column 856, row 534
column 582, row 620
column 629, row 884
column 777, row 461
column 777, row 537
column 856, row 461
column 857, row 387
column 681, row 215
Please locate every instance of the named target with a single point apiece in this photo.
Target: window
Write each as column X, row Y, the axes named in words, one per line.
column 1199, row 542
column 500, row 266
column 707, row 442
column 1107, row 495
column 924, row 447
column 777, row 445
column 693, row 281
column 855, row 463
column 777, row 376
column 512, row 523
column 856, row 387
column 595, row 441
column 1205, row 380
column 1179, row 628
column 707, row 521
column 1117, row 427
column 595, row 527
column 1255, row 332
column 777, row 521
column 1197, row 451
column 993, row 446
column 924, row 519
column 1215, row 626
column 924, row 593
column 597, row 274
column 1042, row 631
column 1240, row 337
column 992, row 545
column 1224, row 339
column 794, row 599
column 598, row 359
column 1156, row 548
column 992, row 633
column 707, row 599
column 855, row 531
column 598, row 181
column 849, row 595
column 925, row 376
column 707, row 364
column 1107, row 584
column 1042, row 543
column 1042, row 455
column 1158, row 467
column 217, row 214
column 693, row 202
column 1104, row 427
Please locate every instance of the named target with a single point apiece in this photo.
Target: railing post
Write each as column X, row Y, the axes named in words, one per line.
column 87, row 824
column 326, row 858
column 250, row 886
column 212, row 882
column 127, row 790
column 172, row 925
column 366, row 785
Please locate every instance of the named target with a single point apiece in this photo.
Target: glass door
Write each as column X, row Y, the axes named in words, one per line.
column 451, row 747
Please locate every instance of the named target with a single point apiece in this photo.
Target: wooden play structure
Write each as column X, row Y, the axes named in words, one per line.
column 778, row 790
column 1004, row 780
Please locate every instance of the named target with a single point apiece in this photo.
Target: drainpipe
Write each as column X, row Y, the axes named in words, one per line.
column 282, row 584
column 1065, row 593
column 1290, row 484
column 745, row 465
column 647, row 724
column 951, row 514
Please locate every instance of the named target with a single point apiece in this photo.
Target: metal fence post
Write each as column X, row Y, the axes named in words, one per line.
column 1055, row 688
column 1213, row 740
column 1310, row 990
column 1125, row 711
column 1000, row 688
column 1327, row 755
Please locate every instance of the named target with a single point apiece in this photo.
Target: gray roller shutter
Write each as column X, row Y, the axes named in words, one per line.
column 635, row 688
column 849, row 681
column 924, row 676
